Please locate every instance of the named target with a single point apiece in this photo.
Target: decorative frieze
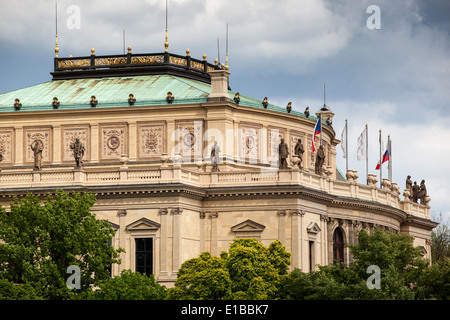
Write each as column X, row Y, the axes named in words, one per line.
column 113, row 141
column 274, row 136
column 151, row 140
column 69, row 135
column 189, row 137
column 42, row 134
column 7, row 145
column 249, row 142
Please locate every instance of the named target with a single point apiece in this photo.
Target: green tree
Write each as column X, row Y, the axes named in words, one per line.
column 202, row 278
column 11, row 291
column 39, row 241
column 440, row 239
column 403, row 273
column 252, row 273
column 386, row 249
column 247, row 271
column 129, row 286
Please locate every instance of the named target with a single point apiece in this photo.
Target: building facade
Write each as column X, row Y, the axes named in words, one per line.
column 149, row 123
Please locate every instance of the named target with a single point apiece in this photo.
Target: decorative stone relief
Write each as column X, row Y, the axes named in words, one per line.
column 249, row 143
column 45, row 135
column 113, row 141
column 274, row 136
column 189, row 137
column 151, row 140
column 69, row 134
column 7, row 145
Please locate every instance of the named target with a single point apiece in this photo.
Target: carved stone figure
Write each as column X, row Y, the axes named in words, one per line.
column 37, row 146
column 409, row 186
column 283, row 153
column 415, row 189
column 215, row 157
column 422, row 192
column 320, row 160
column 78, row 151
column 298, row 151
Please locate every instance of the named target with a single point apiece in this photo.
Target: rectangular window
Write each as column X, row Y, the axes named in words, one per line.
column 144, row 255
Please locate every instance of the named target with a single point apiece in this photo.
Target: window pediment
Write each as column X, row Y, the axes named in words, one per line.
column 248, row 226
column 143, row 224
column 313, row 228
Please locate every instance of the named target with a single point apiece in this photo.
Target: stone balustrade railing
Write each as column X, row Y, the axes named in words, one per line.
column 388, row 195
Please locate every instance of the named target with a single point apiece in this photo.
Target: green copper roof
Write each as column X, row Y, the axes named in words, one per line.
column 114, row 91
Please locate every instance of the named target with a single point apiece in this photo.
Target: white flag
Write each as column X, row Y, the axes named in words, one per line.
column 344, row 140
column 361, row 153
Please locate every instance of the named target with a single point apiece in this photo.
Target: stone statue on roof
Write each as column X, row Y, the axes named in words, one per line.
column 283, row 153
column 320, row 160
column 409, row 184
column 422, row 192
column 78, row 151
column 215, row 152
column 415, row 193
column 37, row 146
column 298, row 151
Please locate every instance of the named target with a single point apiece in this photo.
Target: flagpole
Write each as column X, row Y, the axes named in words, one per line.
column 381, row 162
column 320, row 128
column 367, row 153
column 346, row 144
column 390, row 158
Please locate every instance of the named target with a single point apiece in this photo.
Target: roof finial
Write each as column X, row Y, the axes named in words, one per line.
column 166, row 43
column 56, row 33
column 226, row 57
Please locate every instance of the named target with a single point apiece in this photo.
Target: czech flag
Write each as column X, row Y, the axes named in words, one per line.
column 317, row 130
column 385, row 158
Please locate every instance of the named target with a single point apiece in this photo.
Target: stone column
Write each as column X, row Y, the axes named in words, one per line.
column 324, row 239
column 296, row 227
column 132, row 141
column 19, row 157
column 214, row 245
column 95, row 147
column 56, row 145
column 176, row 260
column 122, row 213
column 163, row 259
column 202, row 215
column 282, row 226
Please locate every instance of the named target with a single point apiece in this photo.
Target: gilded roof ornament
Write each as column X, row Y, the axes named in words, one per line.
column 56, row 47
column 166, row 43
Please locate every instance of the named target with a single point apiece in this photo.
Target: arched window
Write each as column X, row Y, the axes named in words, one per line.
column 338, row 245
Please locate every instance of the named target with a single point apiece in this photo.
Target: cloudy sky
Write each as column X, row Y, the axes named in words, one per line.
column 395, row 78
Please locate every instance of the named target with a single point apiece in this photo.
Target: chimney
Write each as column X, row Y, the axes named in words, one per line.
column 219, row 86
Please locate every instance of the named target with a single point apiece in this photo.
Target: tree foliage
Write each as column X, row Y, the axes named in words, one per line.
column 404, row 275
column 39, row 241
column 129, row 286
column 247, row 271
